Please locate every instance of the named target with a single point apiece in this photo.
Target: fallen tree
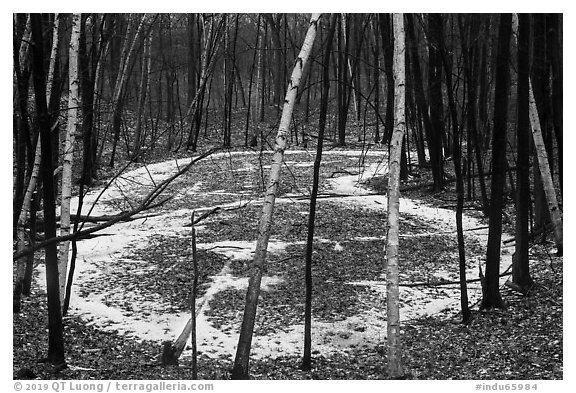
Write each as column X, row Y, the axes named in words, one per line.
column 145, row 204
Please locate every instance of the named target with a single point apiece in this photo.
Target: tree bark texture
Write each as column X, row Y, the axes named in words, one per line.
column 69, row 142
column 307, row 358
column 395, row 368
column 547, row 183
column 55, row 328
column 457, row 150
column 491, row 295
column 241, row 363
column 521, row 262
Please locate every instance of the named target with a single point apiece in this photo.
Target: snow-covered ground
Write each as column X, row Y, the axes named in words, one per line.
column 147, row 321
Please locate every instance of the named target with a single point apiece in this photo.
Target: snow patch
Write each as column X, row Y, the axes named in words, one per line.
column 146, row 321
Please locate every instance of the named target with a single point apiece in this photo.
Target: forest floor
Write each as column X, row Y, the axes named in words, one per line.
column 132, row 285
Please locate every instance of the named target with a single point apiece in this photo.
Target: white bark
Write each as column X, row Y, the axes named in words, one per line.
column 25, row 46
column 71, row 131
column 392, row 288
column 53, row 54
column 245, row 340
column 547, row 183
column 542, row 155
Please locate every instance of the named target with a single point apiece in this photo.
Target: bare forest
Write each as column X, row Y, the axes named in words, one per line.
column 287, row 196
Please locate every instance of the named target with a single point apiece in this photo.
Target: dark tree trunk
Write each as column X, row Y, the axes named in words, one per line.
column 193, row 52
column 491, row 295
column 307, row 357
column 342, row 84
column 55, row 328
column 34, row 206
column 435, row 26
column 470, row 66
column 252, row 67
column 279, row 73
column 22, row 137
column 539, row 78
column 555, row 43
column 388, row 49
column 420, row 97
column 376, row 84
column 541, row 82
column 114, row 70
column 521, row 265
column 88, row 64
column 459, row 181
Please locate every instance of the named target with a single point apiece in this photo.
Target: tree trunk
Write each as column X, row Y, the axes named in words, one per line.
column 435, row 99
column 521, row 263
column 470, row 65
column 376, row 84
column 69, row 142
column 250, row 109
column 193, row 302
column 22, row 127
column 121, row 81
column 388, row 49
column 241, row 363
column 26, row 202
column 557, row 88
column 55, row 328
column 144, row 82
column 395, row 368
column 279, row 57
column 459, row 181
column 212, row 43
column 192, row 54
column 491, row 294
column 548, row 185
column 90, row 74
column 420, row 97
column 307, row 357
column 342, row 83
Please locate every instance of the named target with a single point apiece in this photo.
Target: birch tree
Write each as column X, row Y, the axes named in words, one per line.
column 25, row 211
column 395, row 369
column 71, row 131
column 543, row 165
column 241, row 363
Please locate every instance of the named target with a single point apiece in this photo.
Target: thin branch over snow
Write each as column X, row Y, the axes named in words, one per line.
column 145, row 204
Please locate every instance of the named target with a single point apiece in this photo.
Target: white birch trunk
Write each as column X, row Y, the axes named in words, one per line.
column 392, row 288
column 245, row 340
column 71, row 131
column 25, row 46
column 547, row 183
column 542, row 155
column 53, row 54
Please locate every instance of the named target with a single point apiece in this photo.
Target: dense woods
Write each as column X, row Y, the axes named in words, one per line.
column 458, row 112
